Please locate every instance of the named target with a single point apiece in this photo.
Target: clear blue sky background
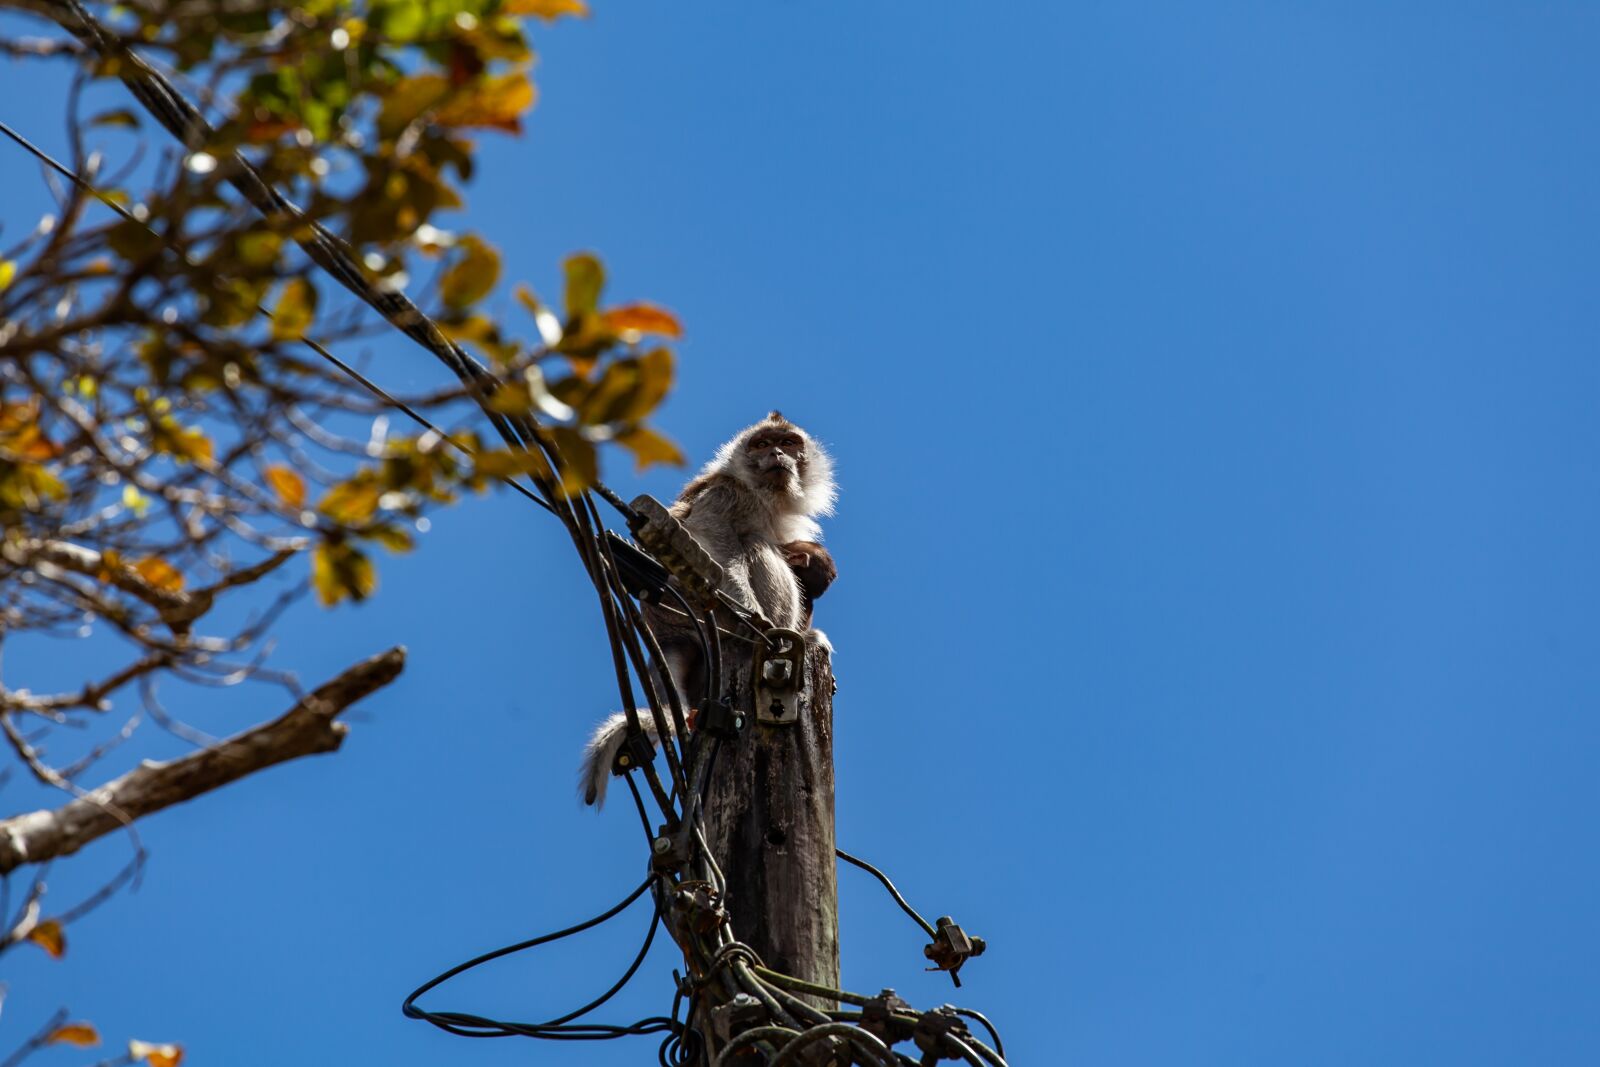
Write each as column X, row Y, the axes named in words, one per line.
column 1214, row 394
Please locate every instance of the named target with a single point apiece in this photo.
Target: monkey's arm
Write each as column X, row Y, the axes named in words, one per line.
column 715, row 516
column 813, row 565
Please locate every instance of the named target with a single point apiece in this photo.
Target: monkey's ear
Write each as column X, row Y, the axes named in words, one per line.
column 776, row 416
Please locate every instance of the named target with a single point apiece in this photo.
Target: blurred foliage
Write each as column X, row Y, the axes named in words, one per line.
column 167, row 439
column 149, row 330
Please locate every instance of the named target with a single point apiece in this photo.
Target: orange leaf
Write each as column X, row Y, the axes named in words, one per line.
column 81, row 1034
column 289, row 486
column 637, row 319
column 546, row 9
column 156, row 1055
column 49, row 936
column 159, row 573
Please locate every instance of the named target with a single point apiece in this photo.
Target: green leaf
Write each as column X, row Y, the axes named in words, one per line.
column 133, row 241
column 472, row 276
column 296, row 307
column 585, row 278
column 259, row 248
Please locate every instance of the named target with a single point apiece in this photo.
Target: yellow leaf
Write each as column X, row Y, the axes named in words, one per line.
column 548, row 10
column 633, row 320
column 472, row 276
column 500, row 463
column 629, row 389
column 81, row 1034
column 156, row 1055
column 8, row 271
column 580, row 467
column 49, row 936
column 495, row 103
column 409, row 98
column 297, row 306
column 194, row 446
column 118, row 117
column 650, row 447
column 511, row 398
column 339, row 571
column 159, row 573
column 585, row 278
column 394, row 538
column 289, row 486
column 183, row 443
column 353, row 502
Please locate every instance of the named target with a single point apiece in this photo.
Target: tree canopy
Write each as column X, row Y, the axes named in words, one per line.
column 185, row 446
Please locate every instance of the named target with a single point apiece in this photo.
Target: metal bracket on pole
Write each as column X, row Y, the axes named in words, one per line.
column 782, row 690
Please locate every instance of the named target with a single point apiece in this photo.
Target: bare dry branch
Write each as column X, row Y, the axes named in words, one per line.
column 307, row 728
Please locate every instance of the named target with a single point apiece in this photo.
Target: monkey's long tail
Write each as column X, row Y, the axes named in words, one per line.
column 594, row 773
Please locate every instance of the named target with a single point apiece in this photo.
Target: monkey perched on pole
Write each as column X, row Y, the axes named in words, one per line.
column 754, row 509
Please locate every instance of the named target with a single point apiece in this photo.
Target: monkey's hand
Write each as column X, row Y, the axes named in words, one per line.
column 812, row 564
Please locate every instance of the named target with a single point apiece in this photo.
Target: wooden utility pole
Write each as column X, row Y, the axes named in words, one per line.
column 769, row 823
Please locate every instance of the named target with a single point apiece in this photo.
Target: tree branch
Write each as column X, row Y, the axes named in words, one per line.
column 308, row 728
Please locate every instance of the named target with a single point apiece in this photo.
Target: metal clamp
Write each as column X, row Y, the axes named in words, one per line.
column 888, row 1018
column 951, row 947
column 669, row 851
column 780, row 683
column 933, row 1027
column 719, row 719
column 635, row 751
column 742, row 1013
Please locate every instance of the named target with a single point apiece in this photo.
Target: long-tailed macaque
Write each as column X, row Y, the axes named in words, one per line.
column 754, row 508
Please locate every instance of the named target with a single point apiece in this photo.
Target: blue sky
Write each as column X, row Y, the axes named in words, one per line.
column 1213, row 392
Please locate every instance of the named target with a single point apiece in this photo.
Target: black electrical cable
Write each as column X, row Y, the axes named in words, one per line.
column 999, row 1046
column 893, row 892
column 335, row 257
column 638, row 801
column 460, row 1022
column 372, row 387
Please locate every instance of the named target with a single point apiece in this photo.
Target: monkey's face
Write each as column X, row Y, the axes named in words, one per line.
column 776, row 456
